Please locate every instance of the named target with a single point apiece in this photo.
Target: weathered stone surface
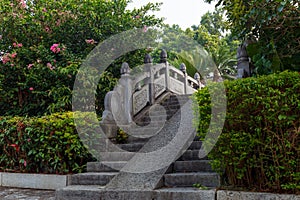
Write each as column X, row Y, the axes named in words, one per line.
column 192, row 166
column 191, row 155
column 40, row 181
column 146, row 168
column 26, row 194
column 196, row 145
column 109, row 166
column 188, row 179
column 79, row 192
column 240, row 195
column 93, row 193
column 92, row 178
column 116, row 156
column 185, row 194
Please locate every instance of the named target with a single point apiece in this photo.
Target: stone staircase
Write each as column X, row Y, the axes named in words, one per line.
column 176, row 183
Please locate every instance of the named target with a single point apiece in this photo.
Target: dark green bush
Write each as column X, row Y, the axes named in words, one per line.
column 259, row 145
column 48, row 144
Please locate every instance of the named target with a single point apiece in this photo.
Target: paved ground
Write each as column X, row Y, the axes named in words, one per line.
column 25, row 194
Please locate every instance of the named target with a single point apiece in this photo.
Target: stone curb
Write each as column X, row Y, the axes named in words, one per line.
column 240, row 195
column 33, row 181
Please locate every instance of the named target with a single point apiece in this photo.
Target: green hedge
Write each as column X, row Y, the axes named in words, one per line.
column 259, row 145
column 48, row 144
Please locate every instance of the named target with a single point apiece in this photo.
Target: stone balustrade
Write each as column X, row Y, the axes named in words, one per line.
column 142, row 87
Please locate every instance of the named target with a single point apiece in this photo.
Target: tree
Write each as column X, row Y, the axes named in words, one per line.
column 43, row 43
column 212, row 33
column 271, row 29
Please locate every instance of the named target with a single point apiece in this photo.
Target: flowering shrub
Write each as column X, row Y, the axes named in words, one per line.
column 43, row 43
column 48, row 144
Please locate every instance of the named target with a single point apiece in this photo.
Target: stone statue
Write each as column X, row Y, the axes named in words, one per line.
column 243, row 62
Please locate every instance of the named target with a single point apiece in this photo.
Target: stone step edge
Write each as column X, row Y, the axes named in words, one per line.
column 33, row 181
column 209, row 194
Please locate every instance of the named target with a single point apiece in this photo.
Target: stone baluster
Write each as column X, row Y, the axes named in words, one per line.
column 197, row 78
column 126, row 82
column 163, row 59
column 148, row 68
column 183, row 69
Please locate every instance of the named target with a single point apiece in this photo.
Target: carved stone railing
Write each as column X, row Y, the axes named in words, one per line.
column 136, row 90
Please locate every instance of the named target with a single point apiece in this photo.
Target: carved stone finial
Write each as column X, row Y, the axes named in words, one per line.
column 243, row 64
column 163, row 56
column 125, row 69
column 197, row 76
column 147, row 59
column 183, row 68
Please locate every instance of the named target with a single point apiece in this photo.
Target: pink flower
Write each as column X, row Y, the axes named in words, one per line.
column 47, row 29
column 137, row 17
column 25, row 163
column 13, row 55
column 17, row 45
column 44, row 10
column 91, row 41
column 6, row 58
column 54, row 48
column 58, row 22
column 28, row 140
column 145, row 29
column 51, row 67
column 31, row 88
column 12, row 65
column 23, row 4
column 29, row 66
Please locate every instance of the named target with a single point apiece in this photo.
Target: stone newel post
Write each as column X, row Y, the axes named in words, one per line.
column 243, row 68
column 125, row 81
column 148, row 68
column 163, row 59
column 183, row 69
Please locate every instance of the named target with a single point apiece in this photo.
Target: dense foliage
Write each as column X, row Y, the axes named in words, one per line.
column 48, row 144
column 259, row 145
column 43, row 43
column 272, row 30
column 213, row 34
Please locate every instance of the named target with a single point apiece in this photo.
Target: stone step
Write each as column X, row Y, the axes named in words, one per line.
column 196, row 145
column 132, row 139
column 92, row 178
column 84, row 192
column 185, row 193
column 191, row 155
column 113, row 166
column 154, row 123
column 116, row 156
column 189, row 179
column 192, row 166
column 132, row 147
column 175, row 100
column 163, row 109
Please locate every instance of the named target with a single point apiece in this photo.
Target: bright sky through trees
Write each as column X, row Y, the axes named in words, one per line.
column 185, row 13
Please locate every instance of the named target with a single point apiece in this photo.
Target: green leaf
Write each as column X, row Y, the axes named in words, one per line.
column 281, row 117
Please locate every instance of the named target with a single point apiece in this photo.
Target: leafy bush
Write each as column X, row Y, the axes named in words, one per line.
column 48, row 144
column 43, row 44
column 259, row 144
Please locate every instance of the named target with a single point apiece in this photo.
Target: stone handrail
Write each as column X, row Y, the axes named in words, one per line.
column 135, row 90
